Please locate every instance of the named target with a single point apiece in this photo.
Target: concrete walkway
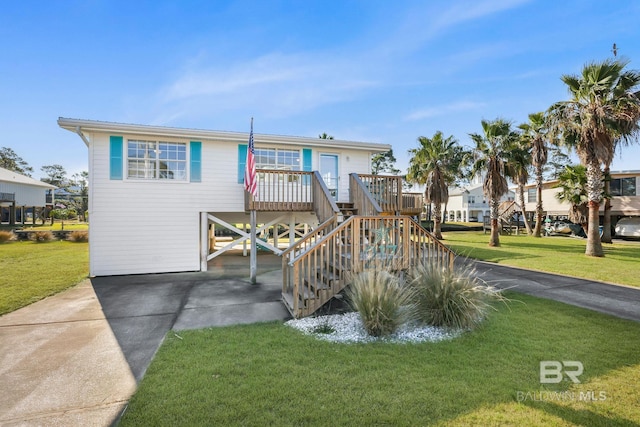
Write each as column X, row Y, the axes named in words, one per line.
column 75, row 358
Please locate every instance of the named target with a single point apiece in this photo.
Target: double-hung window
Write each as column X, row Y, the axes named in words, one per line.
column 278, row 159
column 156, row 160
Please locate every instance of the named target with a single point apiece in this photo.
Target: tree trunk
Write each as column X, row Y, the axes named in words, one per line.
column 594, row 192
column 437, row 214
column 523, row 209
column 538, row 227
column 606, row 223
column 495, row 232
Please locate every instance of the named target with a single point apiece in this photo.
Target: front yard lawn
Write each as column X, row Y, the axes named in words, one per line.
column 562, row 255
column 32, row 271
column 270, row 374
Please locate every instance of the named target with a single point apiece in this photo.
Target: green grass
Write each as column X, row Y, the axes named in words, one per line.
column 563, row 255
column 32, row 271
column 269, row 374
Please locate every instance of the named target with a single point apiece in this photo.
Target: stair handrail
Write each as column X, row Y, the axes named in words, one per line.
column 361, row 198
column 324, row 206
column 306, row 240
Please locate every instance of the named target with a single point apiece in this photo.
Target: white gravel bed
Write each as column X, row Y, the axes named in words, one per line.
column 348, row 328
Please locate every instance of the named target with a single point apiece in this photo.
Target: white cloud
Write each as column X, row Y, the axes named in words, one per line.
column 441, row 110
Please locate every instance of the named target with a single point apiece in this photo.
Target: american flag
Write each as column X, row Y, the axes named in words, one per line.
column 250, row 177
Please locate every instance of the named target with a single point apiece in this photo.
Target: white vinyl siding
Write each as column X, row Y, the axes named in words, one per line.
column 153, row 226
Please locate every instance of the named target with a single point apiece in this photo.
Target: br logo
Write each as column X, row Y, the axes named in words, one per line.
column 552, row 371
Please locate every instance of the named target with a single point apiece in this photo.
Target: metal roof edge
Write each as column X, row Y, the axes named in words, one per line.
column 100, row 126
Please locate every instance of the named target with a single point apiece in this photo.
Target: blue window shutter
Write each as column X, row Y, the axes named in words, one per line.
column 195, row 147
column 115, row 157
column 306, row 160
column 242, row 162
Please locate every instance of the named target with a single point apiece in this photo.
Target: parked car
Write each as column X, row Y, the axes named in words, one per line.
column 628, row 228
column 564, row 227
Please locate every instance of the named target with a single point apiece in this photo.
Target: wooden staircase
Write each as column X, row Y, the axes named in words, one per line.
column 313, row 273
column 347, row 210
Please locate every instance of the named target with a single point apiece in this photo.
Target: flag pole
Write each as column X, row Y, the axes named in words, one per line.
column 251, row 187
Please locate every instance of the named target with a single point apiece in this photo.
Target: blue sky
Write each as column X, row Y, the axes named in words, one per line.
column 370, row 70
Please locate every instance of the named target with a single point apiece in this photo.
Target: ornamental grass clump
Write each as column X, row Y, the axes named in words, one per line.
column 41, row 236
column 79, row 236
column 451, row 298
column 6, row 236
column 382, row 301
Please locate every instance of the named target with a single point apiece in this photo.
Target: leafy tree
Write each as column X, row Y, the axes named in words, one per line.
column 80, row 192
column 435, row 164
column 603, row 111
column 557, row 159
column 535, row 135
column 56, row 175
column 491, row 152
column 572, row 183
column 11, row 161
column 384, row 163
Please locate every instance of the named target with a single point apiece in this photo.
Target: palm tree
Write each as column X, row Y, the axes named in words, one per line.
column 604, row 109
column 435, row 163
column 535, row 134
column 517, row 168
column 572, row 183
column 491, row 150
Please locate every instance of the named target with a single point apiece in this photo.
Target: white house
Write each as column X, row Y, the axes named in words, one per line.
column 155, row 191
column 468, row 203
column 22, row 198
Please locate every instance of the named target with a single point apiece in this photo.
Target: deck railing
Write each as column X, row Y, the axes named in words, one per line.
column 292, row 191
column 412, row 203
column 280, row 190
column 386, row 190
column 361, row 198
column 317, row 274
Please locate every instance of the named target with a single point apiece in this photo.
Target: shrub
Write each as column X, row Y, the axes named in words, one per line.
column 6, row 236
column 452, row 298
column 41, row 236
column 382, row 301
column 79, row 236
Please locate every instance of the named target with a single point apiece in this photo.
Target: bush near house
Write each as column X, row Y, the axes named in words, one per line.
column 41, row 236
column 78, row 236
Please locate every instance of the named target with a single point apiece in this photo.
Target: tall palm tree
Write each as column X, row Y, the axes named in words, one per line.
column 572, row 183
column 535, row 134
column 604, row 109
column 492, row 148
column 517, row 165
column 435, row 163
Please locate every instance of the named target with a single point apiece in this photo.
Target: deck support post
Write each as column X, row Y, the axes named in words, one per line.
column 204, row 240
column 254, row 249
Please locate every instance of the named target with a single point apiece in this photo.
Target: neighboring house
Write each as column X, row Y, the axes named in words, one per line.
column 468, row 204
column 625, row 199
column 22, row 198
column 150, row 185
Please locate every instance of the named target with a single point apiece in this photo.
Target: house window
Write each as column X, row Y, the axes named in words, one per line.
column 623, row 186
column 156, row 160
column 532, row 195
column 472, row 199
column 276, row 158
